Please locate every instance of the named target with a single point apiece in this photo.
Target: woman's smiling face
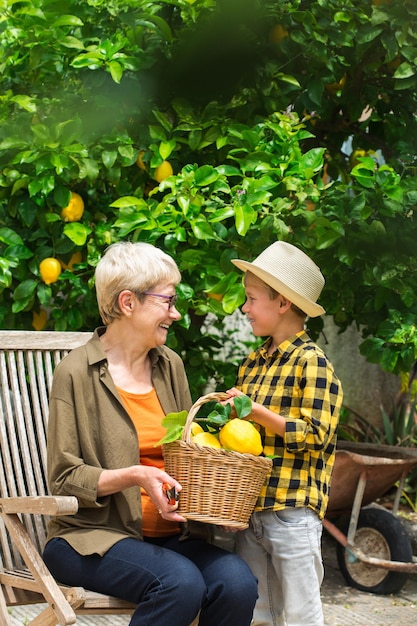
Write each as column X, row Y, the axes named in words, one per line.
column 155, row 316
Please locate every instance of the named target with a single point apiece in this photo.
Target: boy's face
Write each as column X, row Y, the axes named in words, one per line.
column 262, row 312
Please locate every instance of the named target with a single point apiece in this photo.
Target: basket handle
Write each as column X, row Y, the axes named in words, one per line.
column 210, row 397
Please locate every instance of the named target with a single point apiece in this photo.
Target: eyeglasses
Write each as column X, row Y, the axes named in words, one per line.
column 172, row 300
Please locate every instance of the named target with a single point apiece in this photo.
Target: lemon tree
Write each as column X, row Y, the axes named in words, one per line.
column 98, row 99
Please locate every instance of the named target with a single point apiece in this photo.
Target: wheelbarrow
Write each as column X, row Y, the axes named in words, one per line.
column 374, row 550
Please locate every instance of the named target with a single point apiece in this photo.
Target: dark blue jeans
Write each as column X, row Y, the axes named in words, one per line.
column 170, row 582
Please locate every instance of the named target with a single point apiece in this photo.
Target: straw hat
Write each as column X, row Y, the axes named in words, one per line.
column 291, row 273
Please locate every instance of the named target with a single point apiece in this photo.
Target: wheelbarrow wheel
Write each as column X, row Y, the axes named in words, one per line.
column 381, row 535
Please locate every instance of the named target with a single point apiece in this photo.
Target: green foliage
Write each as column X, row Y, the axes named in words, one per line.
column 258, row 123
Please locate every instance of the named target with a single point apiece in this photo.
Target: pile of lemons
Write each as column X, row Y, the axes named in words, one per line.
column 237, row 435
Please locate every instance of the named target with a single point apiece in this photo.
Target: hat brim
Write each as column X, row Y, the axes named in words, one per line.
column 310, row 308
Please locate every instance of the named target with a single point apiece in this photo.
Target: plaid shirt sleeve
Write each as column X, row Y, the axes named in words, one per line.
column 297, row 382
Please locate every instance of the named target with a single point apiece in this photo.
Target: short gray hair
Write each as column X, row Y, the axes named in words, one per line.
column 135, row 266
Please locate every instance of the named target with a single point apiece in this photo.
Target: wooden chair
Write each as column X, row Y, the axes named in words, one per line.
column 27, row 362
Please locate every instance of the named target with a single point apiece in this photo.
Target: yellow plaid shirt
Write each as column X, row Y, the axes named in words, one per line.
column 299, row 383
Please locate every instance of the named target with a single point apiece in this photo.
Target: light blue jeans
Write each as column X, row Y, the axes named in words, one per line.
column 283, row 550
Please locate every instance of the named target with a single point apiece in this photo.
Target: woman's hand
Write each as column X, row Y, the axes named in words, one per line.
column 156, row 482
column 150, row 478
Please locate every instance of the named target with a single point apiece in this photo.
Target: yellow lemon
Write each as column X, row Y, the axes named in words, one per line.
column 353, row 159
column 241, row 436
column 334, row 88
column 215, row 296
column 39, row 319
column 277, row 34
column 163, row 171
column 139, row 161
column 207, row 439
column 49, row 270
column 75, row 209
column 77, row 257
column 196, row 429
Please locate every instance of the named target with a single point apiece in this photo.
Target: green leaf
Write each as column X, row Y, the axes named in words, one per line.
column 286, row 78
column 71, row 42
column 116, row 71
column 219, row 416
column 67, row 20
column 312, row 160
column 26, row 102
column 243, row 405
column 129, row 201
column 174, row 423
column 25, row 289
column 205, row 175
column 202, row 230
column 18, row 252
column 173, row 434
column 166, row 148
column 109, row 157
column 405, row 70
column 244, row 216
column 233, row 298
column 163, row 119
column 10, row 237
column 77, row 232
column 229, row 170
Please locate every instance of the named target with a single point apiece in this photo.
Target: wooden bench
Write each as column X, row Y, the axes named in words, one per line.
column 27, row 362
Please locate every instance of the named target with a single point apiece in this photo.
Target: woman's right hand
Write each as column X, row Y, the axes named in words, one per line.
column 150, row 478
column 153, row 482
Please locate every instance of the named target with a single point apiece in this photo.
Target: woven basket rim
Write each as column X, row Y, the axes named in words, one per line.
column 218, row 452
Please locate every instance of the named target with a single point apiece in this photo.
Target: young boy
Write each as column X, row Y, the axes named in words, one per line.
column 296, row 401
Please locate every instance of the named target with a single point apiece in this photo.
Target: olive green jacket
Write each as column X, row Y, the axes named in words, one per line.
column 89, row 430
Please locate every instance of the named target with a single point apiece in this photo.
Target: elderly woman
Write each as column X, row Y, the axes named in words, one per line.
column 106, row 406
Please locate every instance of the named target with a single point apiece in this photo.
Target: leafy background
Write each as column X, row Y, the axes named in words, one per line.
column 281, row 120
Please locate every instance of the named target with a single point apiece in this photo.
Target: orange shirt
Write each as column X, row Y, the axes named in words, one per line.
column 146, row 413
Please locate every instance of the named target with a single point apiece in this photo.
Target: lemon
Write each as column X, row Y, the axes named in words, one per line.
column 75, row 209
column 241, row 436
column 139, row 161
column 277, row 34
column 334, row 88
column 163, row 171
column 49, row 269
column 207, row 439
column 75, row 258
column 353, row 159
column 39, row 319
column 196, row 429
column 215, row 296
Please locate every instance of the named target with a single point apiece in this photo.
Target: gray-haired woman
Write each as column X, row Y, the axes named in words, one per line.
column 106, row 405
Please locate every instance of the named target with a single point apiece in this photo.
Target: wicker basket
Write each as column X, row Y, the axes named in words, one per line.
column 218, row 486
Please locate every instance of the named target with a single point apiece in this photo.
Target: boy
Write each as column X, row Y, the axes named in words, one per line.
column 296, row 402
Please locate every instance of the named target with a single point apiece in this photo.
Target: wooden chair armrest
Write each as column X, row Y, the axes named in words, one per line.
column 42, row 505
